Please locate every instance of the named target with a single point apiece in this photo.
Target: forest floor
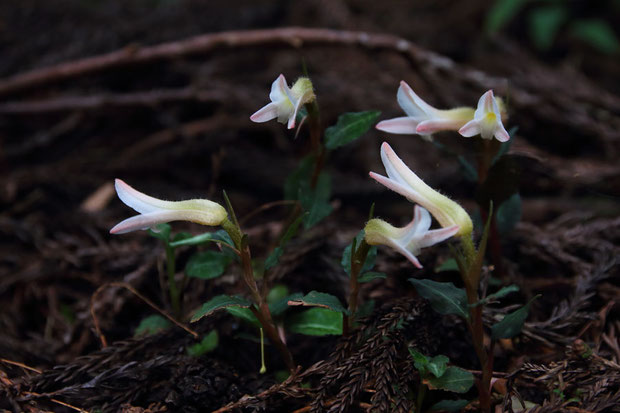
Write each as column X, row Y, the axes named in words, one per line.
column 159, row 94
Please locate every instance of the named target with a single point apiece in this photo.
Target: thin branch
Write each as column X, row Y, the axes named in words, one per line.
column 289, row 36
column 91, row 102
column 101, row 336
column 22, row 365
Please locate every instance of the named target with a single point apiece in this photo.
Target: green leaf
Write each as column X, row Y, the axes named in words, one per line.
column 277, row 293
column 448, row 265
column 509, row 214
column 370, row 276
column 301, row 175
column 207, row 265
column 598, row 33
column 244, row 314
column 345, row 262
column 151, row 325
column 512, row 323
column 315, row 322
column 445, row 298
column 504, row 291
column 544, row 24
column 449, row 405
column 279, row 307
column 316, row 201
column 219, row 302
column 273, row 258
column 318, row 299
column 501, row 13
column 161, row 232
column 438, row 365
column 206, row 345
column 349, row 127
column 454, row 379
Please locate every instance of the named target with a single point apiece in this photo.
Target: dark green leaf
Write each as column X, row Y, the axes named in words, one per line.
column 365, row 309
column 448, row 265
column 449, row 405
column 161, row 232
column 180, row 236
column 300, row 176
column 219, row 302
column 244, row 314
column 504, row 291
column 454, row 379
column 277, row 293
column 370, row 258
column 598, row 33
column 509, row 214
column 512, row 323
column 151, row 325
column 315, row 322
column 445, row 298
column 370, row 276
column 278, row 307
column 544, row 23
column 318, row 299
column 349, row 127
column 207, row 265
column 501, row 13
column 438, row 365
column 273, row 258
column 206, row 345
column 316, row 201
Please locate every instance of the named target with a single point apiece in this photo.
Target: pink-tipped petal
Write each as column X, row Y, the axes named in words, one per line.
column 266, row 113
column 437, row 235
column 144, row 221
column 437, row 125
column 487, row 102
column 501, row 134
column 471, row 128
column 404, row 125
column 279, row 90
column 411, row 103
column 135, row 199
column 422, row 219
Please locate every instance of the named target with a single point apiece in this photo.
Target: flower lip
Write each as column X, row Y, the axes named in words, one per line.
column 410, row 239
column 155, row 211
column 487, row 121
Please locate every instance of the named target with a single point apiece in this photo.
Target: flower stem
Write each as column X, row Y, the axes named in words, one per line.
column 358, row 257
column 175, row 293
column 260, row 308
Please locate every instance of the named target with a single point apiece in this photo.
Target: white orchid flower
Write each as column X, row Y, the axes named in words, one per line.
column 285, row 101
column 402, row 180
column 410, row 239
column 155, row 211
column 487, row 120
column 422, row 118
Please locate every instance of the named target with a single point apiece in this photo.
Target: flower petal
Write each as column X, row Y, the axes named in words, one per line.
column 137, row 200
column 404, row 125
column 437, row 235
column 279, row 90
column 501, row 134
column 471, row 128
column 145, row 221
column 266, row 113
column 411, row 103
column 422, row 219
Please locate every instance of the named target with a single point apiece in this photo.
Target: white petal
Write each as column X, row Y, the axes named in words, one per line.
column 436, row 125
column 293, row 116
column 279, row 90
column 411, row 103
column 422, row 218
column 137, row 200
column 404, row 125
column 436, row 236
column 501, row 134
column 266, row 113
column 144, row 221
column 471, row 128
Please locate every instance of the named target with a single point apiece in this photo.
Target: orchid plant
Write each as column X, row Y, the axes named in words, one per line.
column 308, row 187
